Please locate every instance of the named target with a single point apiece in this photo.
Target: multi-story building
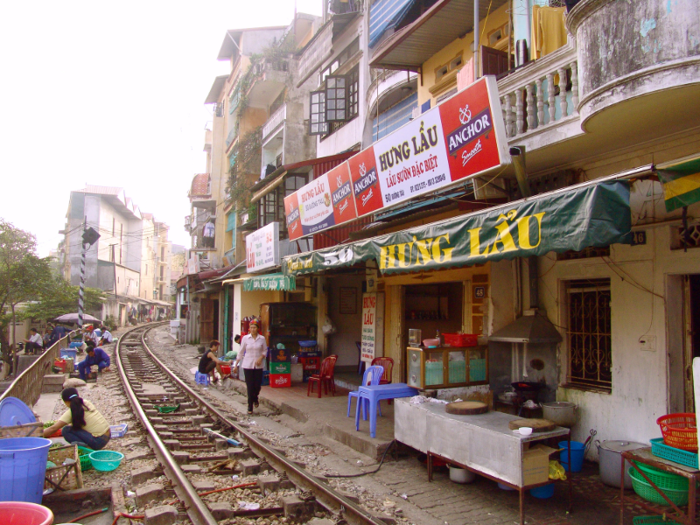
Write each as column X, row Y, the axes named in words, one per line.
column 123, row 261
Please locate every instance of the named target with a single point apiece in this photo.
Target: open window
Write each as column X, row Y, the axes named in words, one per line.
column 318, row 125
column 336, row 98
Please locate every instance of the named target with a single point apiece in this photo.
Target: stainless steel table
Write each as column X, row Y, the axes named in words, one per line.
column 481, row 443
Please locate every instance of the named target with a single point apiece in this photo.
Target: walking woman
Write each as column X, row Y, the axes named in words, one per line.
column 82, row 424
column 252, row 353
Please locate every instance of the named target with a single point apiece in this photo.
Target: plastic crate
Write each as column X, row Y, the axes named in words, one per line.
column 280, row 380
column 85, row 462
column 118, row 431
column 266, row 378
column 477, row 370
column 308, row 344
column 26, row 430
column 646, row 491
column 679, row 431
column 677, row 455
column 461, row 340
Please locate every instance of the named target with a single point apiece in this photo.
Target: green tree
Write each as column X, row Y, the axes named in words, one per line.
column 23, row 275
column 60, row 297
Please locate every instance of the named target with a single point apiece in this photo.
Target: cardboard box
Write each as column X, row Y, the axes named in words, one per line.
column 280, row 368
column 536, row 465
column 297, row 373
column 280, row 380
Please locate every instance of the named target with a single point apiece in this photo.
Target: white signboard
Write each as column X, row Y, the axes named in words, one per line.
column 369, row 326
column 262, row 248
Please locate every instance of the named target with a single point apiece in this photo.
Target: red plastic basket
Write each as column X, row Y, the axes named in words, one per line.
column 226, row 369
column 679, row 431
column 461, row 340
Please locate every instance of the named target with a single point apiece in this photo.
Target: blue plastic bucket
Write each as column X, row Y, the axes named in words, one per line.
column 577, row 450
column 23, row 468
column 543, row 492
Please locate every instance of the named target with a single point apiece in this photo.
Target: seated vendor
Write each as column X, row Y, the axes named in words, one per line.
column 82, row 424
column 208, row 363
column 95, row 356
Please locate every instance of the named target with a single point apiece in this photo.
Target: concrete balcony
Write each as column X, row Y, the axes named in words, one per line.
column 274, row 122
column 638, row 61
column 271, row 77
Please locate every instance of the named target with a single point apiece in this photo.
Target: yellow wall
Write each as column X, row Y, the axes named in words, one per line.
column 464, row 45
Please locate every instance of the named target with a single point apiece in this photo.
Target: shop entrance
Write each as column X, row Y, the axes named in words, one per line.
column 683, row 310
column 433, row 307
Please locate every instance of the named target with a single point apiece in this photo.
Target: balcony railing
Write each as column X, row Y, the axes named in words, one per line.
column 541, row 95
column 188, row 222
column 340, row 7
column 275, row 120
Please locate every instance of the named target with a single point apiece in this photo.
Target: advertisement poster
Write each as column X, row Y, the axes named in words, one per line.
column 323, row 203
column 262, row 248
column 461, row 138
column 369, row 326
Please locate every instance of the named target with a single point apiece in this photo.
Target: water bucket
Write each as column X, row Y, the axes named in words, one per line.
column 22, row 513
column 461, row 475
column 23, row 468
column 543, row 492
column 577, row 451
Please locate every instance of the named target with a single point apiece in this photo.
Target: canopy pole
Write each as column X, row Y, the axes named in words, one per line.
column 476, row 39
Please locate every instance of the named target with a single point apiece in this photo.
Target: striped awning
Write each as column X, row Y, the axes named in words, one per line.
column 681, row 182
column 385, row 14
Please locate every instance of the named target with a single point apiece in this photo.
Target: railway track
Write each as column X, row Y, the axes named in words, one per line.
column 198, row 447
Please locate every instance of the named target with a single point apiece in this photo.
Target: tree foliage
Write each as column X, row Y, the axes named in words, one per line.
column 23, row 275
column 59, row 298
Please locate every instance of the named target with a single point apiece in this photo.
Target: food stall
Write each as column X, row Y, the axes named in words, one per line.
column 482, row 443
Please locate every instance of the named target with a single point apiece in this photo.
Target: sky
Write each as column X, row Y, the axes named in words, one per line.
column 112, row 94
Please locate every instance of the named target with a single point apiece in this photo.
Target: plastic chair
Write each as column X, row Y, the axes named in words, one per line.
column 372, row 376
column 388, row 364
column 324, row 378
column 201, row 379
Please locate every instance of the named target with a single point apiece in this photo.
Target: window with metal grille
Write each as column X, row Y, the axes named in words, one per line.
column 318, row 125
column 588, row 334
column 683, row 238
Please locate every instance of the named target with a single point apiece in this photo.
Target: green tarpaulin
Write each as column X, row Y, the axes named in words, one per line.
column 570, row 219
column 272, row 281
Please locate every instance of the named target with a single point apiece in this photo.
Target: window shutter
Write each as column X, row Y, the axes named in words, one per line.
column 318, row 125
column 336, row 98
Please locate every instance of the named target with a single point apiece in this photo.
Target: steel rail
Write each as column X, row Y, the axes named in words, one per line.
column 326, row 495
column 195, row 507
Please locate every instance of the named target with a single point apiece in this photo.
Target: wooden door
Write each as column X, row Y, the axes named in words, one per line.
column 493, row 61
column 206, row 321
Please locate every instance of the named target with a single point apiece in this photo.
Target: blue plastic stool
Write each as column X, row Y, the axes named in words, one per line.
column 201, row 379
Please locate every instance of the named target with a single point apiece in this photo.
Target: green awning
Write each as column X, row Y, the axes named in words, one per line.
column 570, row 219
column 681, row 182
column 271, row 281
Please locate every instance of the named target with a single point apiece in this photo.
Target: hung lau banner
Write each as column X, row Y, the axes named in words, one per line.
column 323, row 203
column 593, row 215
column 462, row 137
column 262, row 248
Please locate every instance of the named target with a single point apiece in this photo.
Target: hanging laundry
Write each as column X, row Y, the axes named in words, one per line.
column 548, row 30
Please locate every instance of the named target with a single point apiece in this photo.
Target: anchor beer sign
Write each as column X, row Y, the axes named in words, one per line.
column 461, row 138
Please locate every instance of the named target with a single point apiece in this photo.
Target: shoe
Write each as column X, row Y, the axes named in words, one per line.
column 256, row 404
column 250, row 412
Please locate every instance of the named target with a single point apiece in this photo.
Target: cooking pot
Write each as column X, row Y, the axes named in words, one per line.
column 609, row 461
column 562, row 413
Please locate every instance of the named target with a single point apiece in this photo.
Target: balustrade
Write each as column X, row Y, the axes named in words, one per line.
column 541, row 95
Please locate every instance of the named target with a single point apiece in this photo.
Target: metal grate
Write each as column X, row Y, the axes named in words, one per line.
column 588, row 334
column 686, row 238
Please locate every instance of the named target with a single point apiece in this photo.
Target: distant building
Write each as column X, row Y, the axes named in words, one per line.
column 131, row 259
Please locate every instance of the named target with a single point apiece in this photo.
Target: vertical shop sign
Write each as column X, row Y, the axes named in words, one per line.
column 369, row 326
column 262, row 248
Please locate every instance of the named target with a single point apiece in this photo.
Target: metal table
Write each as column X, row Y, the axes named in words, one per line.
column 481, row 443
column 644, row 455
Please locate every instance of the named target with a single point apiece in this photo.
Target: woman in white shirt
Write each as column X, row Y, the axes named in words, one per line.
column 252, row 353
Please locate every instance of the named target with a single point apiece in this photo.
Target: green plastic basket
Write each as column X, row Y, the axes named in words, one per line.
column 662, row 479
column 106, row 460
column 85, row 462
column 646, row 491
column 651, row 520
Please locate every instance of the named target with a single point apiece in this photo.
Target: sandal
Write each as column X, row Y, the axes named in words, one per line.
column 256, row 404
column 250, row 412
